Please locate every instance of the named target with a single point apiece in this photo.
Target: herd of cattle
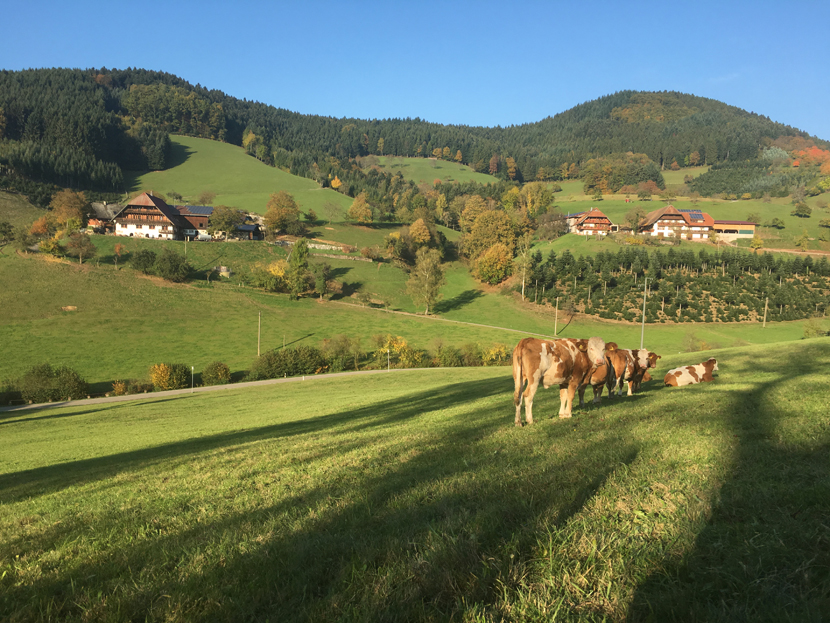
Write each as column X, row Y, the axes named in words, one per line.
column 574, row 364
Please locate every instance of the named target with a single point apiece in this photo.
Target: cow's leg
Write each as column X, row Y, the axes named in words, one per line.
column 582, row 395
column 597, row 394
column 530, row 392
column 566, row 398
column 630, row 383
column 563, row 400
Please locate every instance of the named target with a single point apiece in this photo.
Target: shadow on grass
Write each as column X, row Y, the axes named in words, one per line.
column 55, row 477
column 440, row 527
column 764, row 555
column 10, row 416
column 457, row 302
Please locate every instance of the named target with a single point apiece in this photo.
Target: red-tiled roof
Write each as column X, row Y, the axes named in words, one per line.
column 592, row 213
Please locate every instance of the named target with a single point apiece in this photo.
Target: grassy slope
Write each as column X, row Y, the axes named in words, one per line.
column 412, row 497
column 17, row 210
column 237, row 179
column 126, row 322
column 427, row 170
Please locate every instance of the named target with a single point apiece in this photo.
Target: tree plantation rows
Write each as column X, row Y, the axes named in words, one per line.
column 683, row 286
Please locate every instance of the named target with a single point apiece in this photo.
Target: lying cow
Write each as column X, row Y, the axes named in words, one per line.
column 689, row 375
column 567, row 363
column 629, row 366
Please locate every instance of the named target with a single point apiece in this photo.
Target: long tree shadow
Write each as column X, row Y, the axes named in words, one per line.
column 16, row 485
column 457, row 302
column 453, row 524
column 765, row 553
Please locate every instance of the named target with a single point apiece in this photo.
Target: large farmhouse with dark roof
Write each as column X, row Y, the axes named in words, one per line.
column 147, row 216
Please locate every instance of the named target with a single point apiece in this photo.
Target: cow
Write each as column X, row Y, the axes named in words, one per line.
column 597, row 381
column 689, row 375
column 564, row 362
column 629, row 366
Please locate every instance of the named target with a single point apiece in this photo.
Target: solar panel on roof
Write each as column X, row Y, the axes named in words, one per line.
column 205, row 210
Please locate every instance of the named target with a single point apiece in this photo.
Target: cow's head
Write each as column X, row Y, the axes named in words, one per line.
column 595, row 349
column 652, row 359
column 714, row 363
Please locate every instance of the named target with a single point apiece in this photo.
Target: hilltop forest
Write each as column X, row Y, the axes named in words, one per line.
column 82, row 128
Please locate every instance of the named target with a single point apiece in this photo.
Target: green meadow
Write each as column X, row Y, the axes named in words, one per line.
column 17, row 210
column 237, row 179
column 125, row 322
column 411, row 496
column 427, row 170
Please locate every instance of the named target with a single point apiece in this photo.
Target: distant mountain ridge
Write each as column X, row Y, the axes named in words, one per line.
column 81, row 127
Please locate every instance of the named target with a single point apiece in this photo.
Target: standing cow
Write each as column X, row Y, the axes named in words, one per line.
column 629, row 366
column 597, row 380
column 566, row 362
column 689, row 375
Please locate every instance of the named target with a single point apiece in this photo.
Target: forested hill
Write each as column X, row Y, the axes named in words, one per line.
column 80, row 128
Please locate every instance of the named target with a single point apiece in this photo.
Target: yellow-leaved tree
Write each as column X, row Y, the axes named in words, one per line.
column 360, row 209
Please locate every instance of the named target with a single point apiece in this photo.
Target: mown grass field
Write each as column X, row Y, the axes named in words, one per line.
column 427, row 170
column 237, row 179
column 411, row 496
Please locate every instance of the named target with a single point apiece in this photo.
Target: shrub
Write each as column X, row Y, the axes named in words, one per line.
column 43, row 383
column 373, row 253
column 9, row 392
column 143, row 260
column 278, row 363
column 131, row 386
column 166, row 376
column 216, row 373
column 448, row 357
column 172, row 266
column 496, row 355
column 471, row 354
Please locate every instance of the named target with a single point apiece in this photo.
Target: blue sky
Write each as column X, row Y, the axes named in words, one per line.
column 474, row 63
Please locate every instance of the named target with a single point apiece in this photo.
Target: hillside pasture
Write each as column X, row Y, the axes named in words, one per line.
column 427, row 170
column 411, row 496
column 125, row 322
column 238, row 179
column 17, row 210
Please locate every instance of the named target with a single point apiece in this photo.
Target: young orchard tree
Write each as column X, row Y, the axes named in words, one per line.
column 426, row 279
column 118, row 251
column 80, row 245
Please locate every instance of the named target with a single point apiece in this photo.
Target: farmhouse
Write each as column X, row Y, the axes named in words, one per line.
column 147, row 216
column 590, row 223
column 102, row 214
column 669, row 222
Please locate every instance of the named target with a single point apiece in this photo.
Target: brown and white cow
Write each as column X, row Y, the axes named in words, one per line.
column 629, row 366
column 597, row 381
column 566, row 362
column 689, row 375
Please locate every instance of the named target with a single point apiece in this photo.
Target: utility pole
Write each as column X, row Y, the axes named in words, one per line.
column 645, row 295
column 766, row 305
column 556, row 317
column 259, row 334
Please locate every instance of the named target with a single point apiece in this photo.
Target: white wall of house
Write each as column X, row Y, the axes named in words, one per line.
column 163, row 232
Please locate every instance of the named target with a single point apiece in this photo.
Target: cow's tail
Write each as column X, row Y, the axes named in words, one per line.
column 610, row 377
column 518, row 377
